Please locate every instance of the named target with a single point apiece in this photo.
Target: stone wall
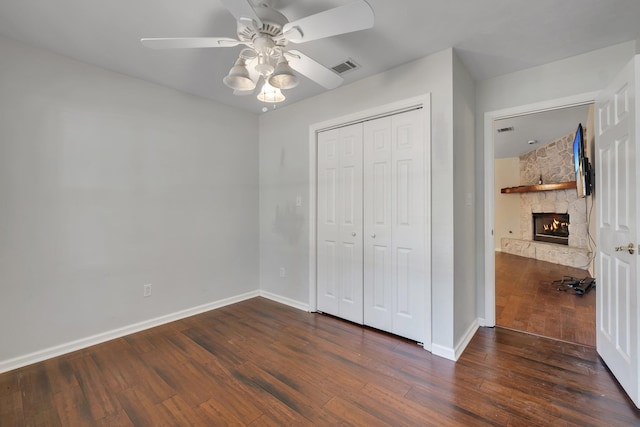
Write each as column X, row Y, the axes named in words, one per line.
column 562, row 201
column 557, row 254
column 554, row 162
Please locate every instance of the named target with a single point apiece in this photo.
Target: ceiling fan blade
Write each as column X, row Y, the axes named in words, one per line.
column 189, row 42
column 313, row 70
column 351, row 17
column 242, row 11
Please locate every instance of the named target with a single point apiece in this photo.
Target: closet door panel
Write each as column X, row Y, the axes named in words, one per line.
column 377, row 222
column 339, row 250
column 408, row 225
column 328, row 239
column 350, row 149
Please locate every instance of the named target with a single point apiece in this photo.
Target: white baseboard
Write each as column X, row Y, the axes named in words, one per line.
column 455, row 353
column 442, row 351
column 466, row 338
column 284, row 300
column 48, row 353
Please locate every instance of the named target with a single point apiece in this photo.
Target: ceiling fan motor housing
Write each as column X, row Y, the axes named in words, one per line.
column 272, row 23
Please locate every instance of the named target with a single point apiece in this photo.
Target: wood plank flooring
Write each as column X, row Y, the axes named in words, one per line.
column 260, row 363
column 527, row 300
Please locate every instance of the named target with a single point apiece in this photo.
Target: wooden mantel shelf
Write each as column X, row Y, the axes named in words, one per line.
column 539, row 187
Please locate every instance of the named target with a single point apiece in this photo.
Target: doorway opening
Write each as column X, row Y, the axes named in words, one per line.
column 524, row 286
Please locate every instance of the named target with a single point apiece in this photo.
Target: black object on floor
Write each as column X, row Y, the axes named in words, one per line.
column 578, row 286
column 585, row 285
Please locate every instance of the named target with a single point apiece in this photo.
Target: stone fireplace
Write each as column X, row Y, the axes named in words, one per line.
column 568, row 245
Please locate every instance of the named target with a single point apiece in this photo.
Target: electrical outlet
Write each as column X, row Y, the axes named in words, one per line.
column 147, row 290
column 283, row 272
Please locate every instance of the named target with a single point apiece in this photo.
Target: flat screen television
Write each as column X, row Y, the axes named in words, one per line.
column 581, row 164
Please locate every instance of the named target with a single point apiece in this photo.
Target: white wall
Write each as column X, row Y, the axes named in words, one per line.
column 465, row 314
column 284, row 174
column 568, row 77
column 507, row 206
column 107, row 183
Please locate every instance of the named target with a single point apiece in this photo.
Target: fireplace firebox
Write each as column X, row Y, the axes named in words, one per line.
column 551, row 228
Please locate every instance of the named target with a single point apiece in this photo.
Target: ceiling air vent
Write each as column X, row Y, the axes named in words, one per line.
column 345, row 66
column 509, row 129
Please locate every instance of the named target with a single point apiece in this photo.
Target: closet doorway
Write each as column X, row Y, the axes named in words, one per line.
column 371, row 228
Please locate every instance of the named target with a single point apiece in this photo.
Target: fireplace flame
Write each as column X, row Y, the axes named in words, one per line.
column 551, row 227
column 555, row 225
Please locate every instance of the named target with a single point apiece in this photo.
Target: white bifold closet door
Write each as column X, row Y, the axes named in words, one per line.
column 394, row 225
column 339, row 219
column 371, row 224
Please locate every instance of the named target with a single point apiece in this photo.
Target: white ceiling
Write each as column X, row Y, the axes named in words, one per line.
column 492, row 37
column 542, row 127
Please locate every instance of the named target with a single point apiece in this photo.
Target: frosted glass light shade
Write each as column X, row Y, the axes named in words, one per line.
column 283, row 76
column 270, row 94
column 239, row 78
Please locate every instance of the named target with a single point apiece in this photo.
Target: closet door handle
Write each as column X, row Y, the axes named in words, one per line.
column 626, row 248
column 373, row 236
column 353, row 233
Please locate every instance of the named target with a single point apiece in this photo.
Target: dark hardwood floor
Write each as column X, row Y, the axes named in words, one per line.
column 260, row 363
column 528, row 300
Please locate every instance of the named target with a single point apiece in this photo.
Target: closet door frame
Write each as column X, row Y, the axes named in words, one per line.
column 424, row 103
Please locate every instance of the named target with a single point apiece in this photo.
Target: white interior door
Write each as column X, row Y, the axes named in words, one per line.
column 339, row 252
column 394, row 201
column 617, row 185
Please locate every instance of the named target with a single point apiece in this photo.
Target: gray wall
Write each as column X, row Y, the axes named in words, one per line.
column 465, row 313
column 572, row 76
column 108, row 183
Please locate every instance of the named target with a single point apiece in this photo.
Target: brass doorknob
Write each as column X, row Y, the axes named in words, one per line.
column 629, row 248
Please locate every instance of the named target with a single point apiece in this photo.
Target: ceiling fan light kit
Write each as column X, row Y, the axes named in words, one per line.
column 265, row 33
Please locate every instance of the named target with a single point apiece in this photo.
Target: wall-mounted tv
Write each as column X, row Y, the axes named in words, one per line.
column 581, row 164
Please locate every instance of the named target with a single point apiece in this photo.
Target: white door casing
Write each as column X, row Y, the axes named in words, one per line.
column 339, row 229
column 617, row 319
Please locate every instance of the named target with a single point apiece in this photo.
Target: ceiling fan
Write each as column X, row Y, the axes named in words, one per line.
column 265, row 34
